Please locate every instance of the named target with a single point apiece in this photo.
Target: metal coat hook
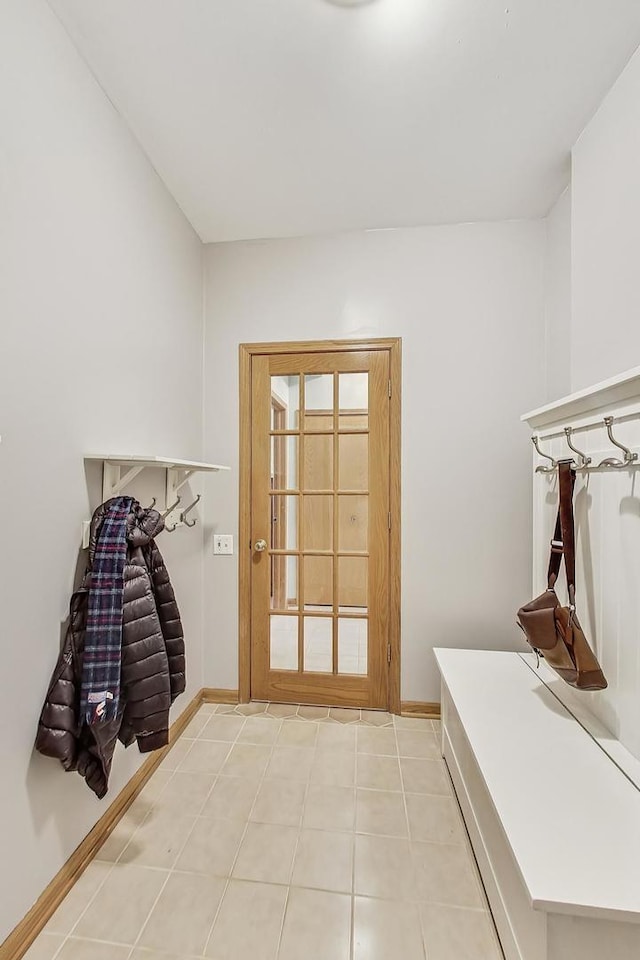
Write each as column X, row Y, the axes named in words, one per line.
column 171, row 508
column 629, row 456
column 584, row 459
column 184, row 513
column 152, row 504
column 541, row 469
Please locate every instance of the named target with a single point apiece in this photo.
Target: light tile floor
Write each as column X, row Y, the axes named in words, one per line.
column 284, row 833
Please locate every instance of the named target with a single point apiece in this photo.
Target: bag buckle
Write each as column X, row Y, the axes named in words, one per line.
column 557, row 546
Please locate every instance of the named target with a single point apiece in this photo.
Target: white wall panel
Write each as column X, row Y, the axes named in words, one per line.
column 100, row 349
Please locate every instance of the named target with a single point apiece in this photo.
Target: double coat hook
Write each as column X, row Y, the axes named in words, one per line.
column 171, row 508
column 540, row 469
column 183, row 515
column 584, row 460
column 629, row 457
column 168, row 511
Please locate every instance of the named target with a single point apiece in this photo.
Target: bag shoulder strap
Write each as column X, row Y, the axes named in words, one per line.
column 563, row 543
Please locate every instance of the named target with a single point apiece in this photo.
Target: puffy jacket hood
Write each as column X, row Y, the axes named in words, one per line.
column 143, row 525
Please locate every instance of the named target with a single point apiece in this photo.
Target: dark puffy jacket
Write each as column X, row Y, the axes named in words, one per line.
column 153, row 666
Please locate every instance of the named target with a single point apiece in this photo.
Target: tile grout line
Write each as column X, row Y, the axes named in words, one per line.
column 69, row 934
column 297, row 844
column 55, row 953
column 246, row 827
column 410, row 842
column 486, row 906
column 112, row 865
column 352, row 918
column 171, row 870
column 261, row 781
column 300, row 829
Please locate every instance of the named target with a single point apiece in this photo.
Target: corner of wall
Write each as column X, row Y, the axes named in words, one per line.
column 606, row 234
column 558, row 298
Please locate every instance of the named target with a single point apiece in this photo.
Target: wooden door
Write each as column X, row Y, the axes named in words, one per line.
column 320, row 572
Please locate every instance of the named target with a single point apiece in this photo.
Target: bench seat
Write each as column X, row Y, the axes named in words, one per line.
column 554, row 822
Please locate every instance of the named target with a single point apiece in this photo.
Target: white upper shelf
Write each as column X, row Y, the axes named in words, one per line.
column 625, row 386
column 165, row 463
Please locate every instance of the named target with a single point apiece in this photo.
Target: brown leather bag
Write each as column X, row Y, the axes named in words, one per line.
column 551, row 629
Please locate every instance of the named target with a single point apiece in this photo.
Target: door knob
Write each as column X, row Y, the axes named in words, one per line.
column 260, row 545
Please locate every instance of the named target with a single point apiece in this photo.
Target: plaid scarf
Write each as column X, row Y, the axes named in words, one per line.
column 100, row 692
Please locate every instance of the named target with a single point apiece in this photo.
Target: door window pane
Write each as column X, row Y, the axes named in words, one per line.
column 285, row 402
column 318, row 583
column 352, row 646
column 318, row 401
column 353, row 523
column 284, row 522
column 284, row 583
column 353, row 461
column 284, row 463
column 318, row 523
column 318, row 462
column 352, row 584
column 353, row 391
column 283, row 643
column 318, row 644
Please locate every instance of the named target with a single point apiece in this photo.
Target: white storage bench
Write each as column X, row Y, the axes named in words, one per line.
column 554, row 822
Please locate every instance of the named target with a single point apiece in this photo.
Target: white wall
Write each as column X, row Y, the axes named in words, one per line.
column 605, row 336
column 468, row 302
column 558, row 298
column 100, row 350
column 600, row 277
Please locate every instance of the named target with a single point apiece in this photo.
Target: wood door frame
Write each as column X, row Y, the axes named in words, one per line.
column 393, row 345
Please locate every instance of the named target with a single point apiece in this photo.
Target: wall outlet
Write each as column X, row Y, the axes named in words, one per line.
column 222, row 544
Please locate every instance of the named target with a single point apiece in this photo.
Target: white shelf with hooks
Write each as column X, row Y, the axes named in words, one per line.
column 618, row 395
column 607, row 512
column 119, row 470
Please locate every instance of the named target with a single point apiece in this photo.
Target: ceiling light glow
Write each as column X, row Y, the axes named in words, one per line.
column 350, row 3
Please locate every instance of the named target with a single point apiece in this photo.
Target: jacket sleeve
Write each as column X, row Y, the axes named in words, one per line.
column 58, row 727
column 169, row 617
column 145, row 687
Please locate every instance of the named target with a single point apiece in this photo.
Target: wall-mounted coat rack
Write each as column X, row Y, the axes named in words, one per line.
column 584, row 463
column 119, row 471
column 599, row 428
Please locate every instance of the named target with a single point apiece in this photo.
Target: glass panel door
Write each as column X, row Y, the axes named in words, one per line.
column 320, row 495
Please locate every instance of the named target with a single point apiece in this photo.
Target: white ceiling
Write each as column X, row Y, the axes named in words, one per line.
column 270, row 118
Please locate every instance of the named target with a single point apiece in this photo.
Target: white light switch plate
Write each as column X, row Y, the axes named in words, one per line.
column 222, row 544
